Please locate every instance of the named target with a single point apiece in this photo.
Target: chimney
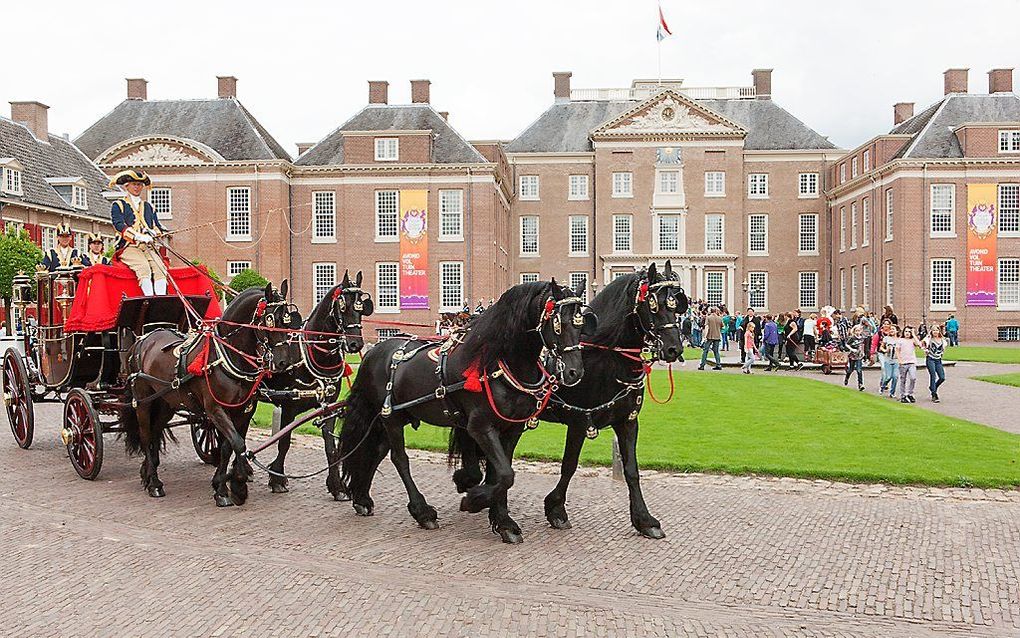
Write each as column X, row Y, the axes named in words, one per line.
column 762, row 83
column 137, row 89
column 33, row 115
column 561, row 86
column 378, row 91
column 445, row 115
column 420, row 91
column 955, row 80
column 304, row 146
column 1000, row 81
column 902, row 111
column 226, row 86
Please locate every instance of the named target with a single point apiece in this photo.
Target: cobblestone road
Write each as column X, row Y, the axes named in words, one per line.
column 743, row 557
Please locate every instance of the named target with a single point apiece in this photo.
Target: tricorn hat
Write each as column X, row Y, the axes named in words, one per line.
column 130, row 175
column 64, row 229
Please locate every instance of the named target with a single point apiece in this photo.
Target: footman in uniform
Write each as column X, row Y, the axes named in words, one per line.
column 64, row 253
column 95, row 256
column 136, row 221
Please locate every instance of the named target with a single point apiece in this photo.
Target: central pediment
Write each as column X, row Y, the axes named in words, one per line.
column 159, row 150
column 668, row 113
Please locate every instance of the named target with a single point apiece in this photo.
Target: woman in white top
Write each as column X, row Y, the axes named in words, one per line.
column 810, row 335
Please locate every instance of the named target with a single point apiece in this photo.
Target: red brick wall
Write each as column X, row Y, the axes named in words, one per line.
column 412, row 149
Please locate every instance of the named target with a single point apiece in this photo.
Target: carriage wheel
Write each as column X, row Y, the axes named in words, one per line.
column 83, row 434
column 203, row 435
column 18, row 398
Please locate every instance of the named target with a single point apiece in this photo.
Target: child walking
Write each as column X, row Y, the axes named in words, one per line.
column 855, row 344
column 934, row 346
column 748, row 348
column 906, row 355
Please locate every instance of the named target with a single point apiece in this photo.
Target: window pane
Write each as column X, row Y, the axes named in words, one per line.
column 622, row 233
column 579, row 284
column 162, row 203
column 713, row 233
column 669, row 233
column 941, row 282
column 323, row 278
column 529, row 235
column 387, row 285
column 451, row 213
column 757, row 235
column 808, row 294
column 1009, row 208
column 324, row 215
column 714, row 287
column 1009, row 282
column 808, row 234
column 942, row 200
column 234, row 268
column 451, row 284
column 757, row 292
column 239, row 212
column 578, row 234
column 386, row 207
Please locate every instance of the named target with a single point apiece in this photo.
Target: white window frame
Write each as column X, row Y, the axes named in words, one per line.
column 807, row 302
column 618, row 234
column 853, row 167
column 239, row 221
column 451, row 214
column 577, row 188
column 81, row 241
column 383, row 219
column 446, row 267
column 623, row 184
column 323, row 210
column 79, row 197
column 757, row 185
column 236, row 267
column 807, row 185
column 932, row 211
column 1013, row 206
column 715, row 183
column 866, row 221
column 842, row 229
column 574, row 278
column 1009, row 141
column 387, row 149
column 721, row 233
column 47, row 238
column 866, row 160
column 951, row 303
column 807, row 238
column 320, row 291
column 842, row 289
column 538, row 243
column 751, row 250
column 764, row 292
column 162, row 202
column 577, row 235
column 889, row 214
column 529, row 277
column 865, row 286
column 890, row 280
column 528, row 188
column 853, row 287
column 382, row 295
column 1001, row 296
column 715, row 284
column 13, row 183
column 842, row 173
column 853, row 225
column 668, row 182
column 660, row 219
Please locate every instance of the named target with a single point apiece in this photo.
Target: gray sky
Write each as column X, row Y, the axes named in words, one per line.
column 303, row 66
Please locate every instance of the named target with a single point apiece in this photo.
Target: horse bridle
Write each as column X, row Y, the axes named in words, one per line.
column 651, row 334
column 552, row 356
column 339, row 306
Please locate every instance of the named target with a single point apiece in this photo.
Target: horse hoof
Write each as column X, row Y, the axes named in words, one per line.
column 238, row 499
column 652, row 532
column 362, row 510
column 341, row 497
column 278, row 489
column 223, row 501
column 156, row 492
column 560, row 523
column 510, row 537
column 428, row 524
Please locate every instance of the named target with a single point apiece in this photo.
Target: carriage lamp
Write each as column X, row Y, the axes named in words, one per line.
column 65, row 281
column 21, row 291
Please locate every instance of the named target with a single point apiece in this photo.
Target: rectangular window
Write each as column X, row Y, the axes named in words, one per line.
column 889, row 283
column 49, row 238
column 867, row 160
column 714, row 233
column 853, row 286
column 451, row 285
column 853, row 167
column 234, row 268
column 842, row 172
column 162, row 202
column 1009, row 141
column 239, row 213
column 758, row 290
column 866, row 215
column 669, row 182
column 387, row 286
column 387, row 203
column 386, row 333
column 578, row 235
column 943, row 201
column 579, row 284
column 714, row 292
column 1009, row 284
column 578, row 187
column 807, row 296
column 807, row 185
column 529, row 235
column 842, row 288
column 451, row 215
column 12, row 181
column 323, row 216
column 758, row 234
column 623, row 184
column 529, row 277
column 942, row 279
column 758, row 185
column 853, row 225
column 1009, row 209
column 623, row 233
column 79, row 197
column 669, row 233
column 323, row 278
column 808, row 236
column 528, row 187
column 387, row 149
column 81, row 241
column 866, row 285
column 888, row 214
column 715, row 184
column 842, row 228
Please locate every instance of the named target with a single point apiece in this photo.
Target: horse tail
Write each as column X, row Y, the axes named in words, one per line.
column 465, row 452
column 361, row 436
column 129, row 421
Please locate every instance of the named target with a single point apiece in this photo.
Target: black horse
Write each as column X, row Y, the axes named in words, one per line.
column 218, row 377
column 315, row 379
column 489, row 380
column 638, row 313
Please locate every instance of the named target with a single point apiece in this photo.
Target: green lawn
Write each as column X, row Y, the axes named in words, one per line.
column 790, row 426
column 1012, row 379
column 986, row 354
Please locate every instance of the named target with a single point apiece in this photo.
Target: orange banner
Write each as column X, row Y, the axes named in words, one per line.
column 414, row 249
column 981, row 244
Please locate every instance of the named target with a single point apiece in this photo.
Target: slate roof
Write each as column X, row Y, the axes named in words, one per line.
column 59, row 158
column 932, row 128
column 222, row 124
column 448, row 146
column 565, row 127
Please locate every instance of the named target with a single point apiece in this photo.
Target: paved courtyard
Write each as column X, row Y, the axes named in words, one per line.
column 743, row 557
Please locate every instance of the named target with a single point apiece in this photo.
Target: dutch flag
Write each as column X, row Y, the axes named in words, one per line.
column 663, row 31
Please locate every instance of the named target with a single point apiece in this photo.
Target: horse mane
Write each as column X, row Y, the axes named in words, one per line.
column 322, row 308
column 241, row 307
column 613, row 306
column 503, row 328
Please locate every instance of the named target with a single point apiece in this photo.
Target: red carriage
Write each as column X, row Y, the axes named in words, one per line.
column 76, row 333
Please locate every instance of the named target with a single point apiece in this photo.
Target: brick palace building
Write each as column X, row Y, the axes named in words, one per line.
column 752, row 206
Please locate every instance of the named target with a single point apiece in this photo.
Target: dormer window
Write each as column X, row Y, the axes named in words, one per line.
column 10, row 176
column 79, row 197
column 72, row 190
column 1009, row 141
column 387, row 149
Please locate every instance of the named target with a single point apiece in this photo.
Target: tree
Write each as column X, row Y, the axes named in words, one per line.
column 17, row 253
column 248, row 278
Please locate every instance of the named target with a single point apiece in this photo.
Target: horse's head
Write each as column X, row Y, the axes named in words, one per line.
column 279, row 316
column 349, row 304
column 563, row 317
column 658, row 303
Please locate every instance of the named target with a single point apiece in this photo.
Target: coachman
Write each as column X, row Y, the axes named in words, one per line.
column 136, row 221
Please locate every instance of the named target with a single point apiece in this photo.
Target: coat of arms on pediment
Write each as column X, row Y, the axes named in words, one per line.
column 158, row 153
column 669, row 113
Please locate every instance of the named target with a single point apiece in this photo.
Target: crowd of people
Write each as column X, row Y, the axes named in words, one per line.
column 789, row 339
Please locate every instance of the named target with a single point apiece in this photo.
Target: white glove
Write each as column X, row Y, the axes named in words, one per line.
column 143, row 238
